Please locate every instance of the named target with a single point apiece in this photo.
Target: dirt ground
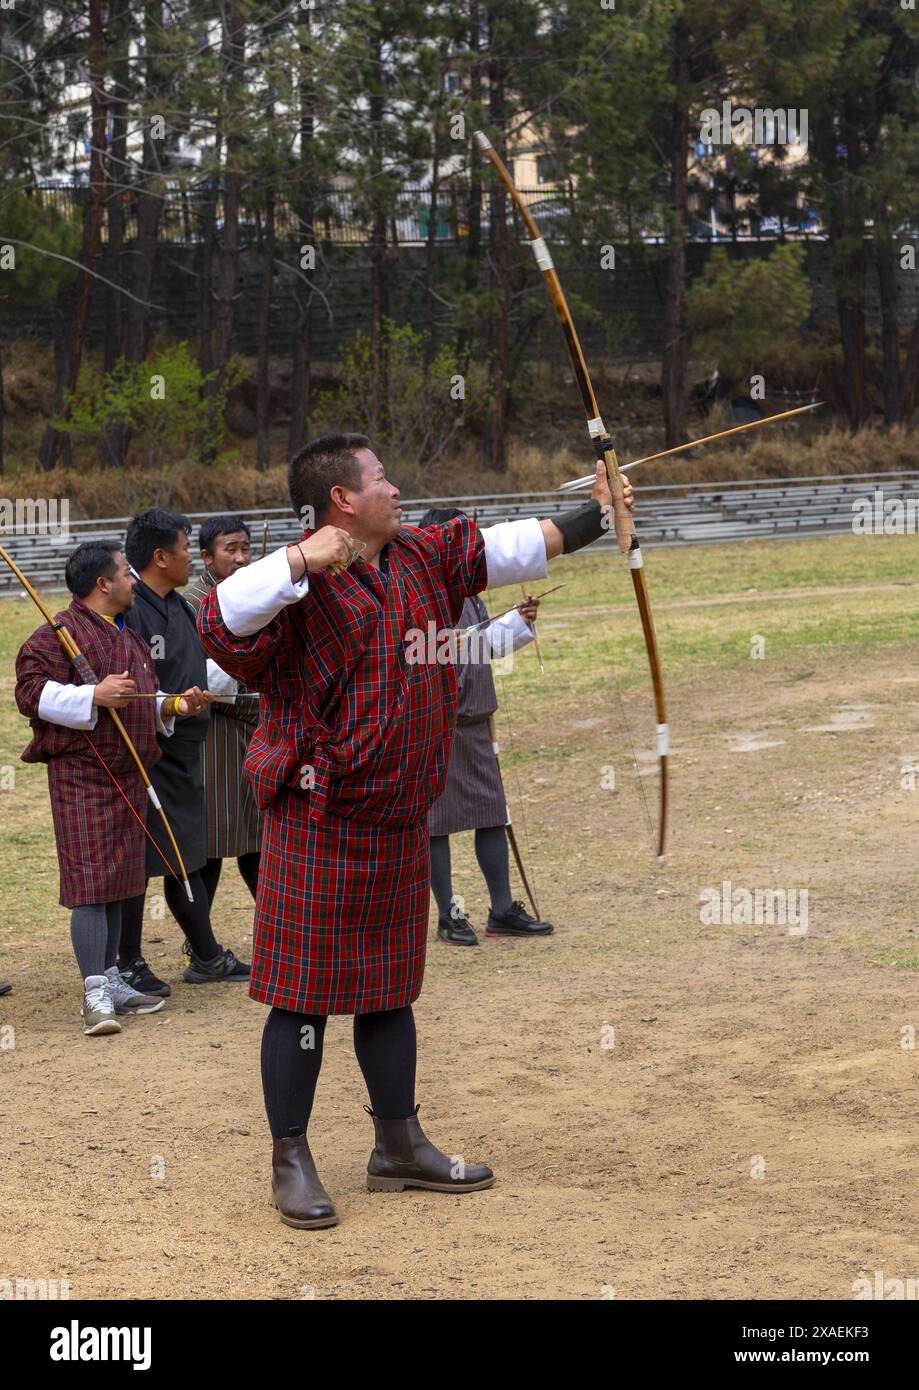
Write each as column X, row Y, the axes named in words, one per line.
column 751, row 1132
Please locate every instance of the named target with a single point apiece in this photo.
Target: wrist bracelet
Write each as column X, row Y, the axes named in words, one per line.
column 305, row 561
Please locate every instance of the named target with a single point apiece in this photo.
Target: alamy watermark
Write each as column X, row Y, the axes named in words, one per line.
column 763, row 125
column 875, row 516
column 36, row 516
column 747, row 907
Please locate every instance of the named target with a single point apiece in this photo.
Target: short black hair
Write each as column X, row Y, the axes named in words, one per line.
column 87, row 563
column 319, row 466
column 153, row 530
column 436, row 516
column 216, row 526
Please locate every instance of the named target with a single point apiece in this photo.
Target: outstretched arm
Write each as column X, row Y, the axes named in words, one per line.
column 520, row 550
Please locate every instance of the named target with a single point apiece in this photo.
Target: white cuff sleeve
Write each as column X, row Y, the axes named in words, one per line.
column 514, row 551
column 256, row 593
column 164, row 726
column 509, row 632
column 70, row 705
column 221, row 684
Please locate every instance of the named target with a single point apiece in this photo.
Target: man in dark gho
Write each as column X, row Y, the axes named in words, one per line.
column 157, row 549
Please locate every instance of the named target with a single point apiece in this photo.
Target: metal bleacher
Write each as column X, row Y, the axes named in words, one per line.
column 669, row 515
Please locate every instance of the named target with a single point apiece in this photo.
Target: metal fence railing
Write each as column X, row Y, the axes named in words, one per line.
column 668, row 515
column 339, row 215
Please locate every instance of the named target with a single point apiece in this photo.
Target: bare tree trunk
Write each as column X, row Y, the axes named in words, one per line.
column 208, row 244
column 301, row 359
column 498, row 234
column 909, row 378
column 886, row 261
column 53, row 441
column 850, row 260
column 117, row 178
column 379, row 282
column 112, row 436
column 140, row 261
column 2, row 412
column 472, row 268
column 149, row 203
column 263, row 417
column 673, row 365
column 849, row 263
column 430, row 249
column 227, row 267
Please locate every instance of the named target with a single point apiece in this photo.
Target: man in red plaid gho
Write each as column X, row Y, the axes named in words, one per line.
column 350, row 753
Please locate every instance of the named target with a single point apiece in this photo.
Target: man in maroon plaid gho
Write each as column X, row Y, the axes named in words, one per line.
column 349, row 755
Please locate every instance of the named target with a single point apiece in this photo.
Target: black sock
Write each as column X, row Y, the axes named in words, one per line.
column 194, row 918
column 441, row 873
column 491, row 852
column 248, row 865
column 387, row 1050
column 210, row 877
column 291, row 1059
column 130, row 945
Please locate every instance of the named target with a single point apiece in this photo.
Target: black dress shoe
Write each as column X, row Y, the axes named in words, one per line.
column 456, row 929
column 516, row 922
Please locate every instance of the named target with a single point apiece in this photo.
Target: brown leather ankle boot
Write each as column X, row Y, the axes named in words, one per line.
column 297, row 1193
column 404, row 1157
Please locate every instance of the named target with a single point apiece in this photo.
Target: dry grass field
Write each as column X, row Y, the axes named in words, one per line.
column 675, row 1106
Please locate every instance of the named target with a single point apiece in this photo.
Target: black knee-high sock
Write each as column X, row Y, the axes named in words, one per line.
column 248, row 865
column 291, row 1059
column 210, row 877
column 441, row 873
column 194, row 918
column 387, row 1050
column 132, row 926
column 491, row 852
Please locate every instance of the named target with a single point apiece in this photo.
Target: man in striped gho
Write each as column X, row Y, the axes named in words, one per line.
column 233, row 820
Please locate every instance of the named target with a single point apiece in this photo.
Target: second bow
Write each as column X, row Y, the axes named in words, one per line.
column 622, row 522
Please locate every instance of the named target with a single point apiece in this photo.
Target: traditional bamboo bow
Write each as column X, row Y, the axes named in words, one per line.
column 88, row 677
column 622, row 520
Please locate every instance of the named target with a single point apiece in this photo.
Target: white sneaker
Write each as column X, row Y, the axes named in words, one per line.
column 98, row 1007
column 126, row 999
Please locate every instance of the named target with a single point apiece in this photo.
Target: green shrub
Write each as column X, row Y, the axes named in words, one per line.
column 161, row 400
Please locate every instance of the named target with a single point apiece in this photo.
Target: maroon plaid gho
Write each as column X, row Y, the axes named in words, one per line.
column 100, row 844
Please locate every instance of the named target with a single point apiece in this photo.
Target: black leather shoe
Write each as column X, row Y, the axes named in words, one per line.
column 517, row 922
column 403, row 1157
column 457, row 929
column 296, row 1191
column 5, row 989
